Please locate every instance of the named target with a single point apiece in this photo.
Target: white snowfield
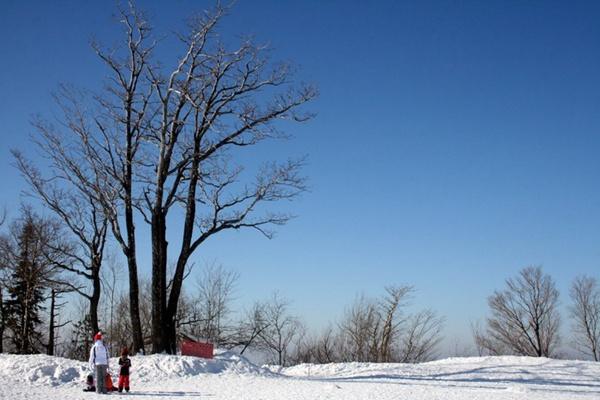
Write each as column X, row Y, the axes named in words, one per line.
column 229, row 376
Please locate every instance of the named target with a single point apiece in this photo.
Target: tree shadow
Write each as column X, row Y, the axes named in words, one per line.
column 454, row 379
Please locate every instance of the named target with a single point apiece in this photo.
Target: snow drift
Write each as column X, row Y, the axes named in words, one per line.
column 53, row 371
column 513, row 371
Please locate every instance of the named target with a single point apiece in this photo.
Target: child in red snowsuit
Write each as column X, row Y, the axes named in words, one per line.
column 125, row 363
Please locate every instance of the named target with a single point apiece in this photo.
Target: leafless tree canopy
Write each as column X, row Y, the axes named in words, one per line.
column 421, row 337
column 172, row 134
column 62, row 190
column 280, row 329
column 524, row 318
column 382, row 331
column 585, row 314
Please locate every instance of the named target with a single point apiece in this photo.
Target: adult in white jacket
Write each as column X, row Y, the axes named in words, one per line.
column 99, row 363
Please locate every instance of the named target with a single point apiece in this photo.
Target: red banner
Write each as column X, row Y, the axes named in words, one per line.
column 196, row 349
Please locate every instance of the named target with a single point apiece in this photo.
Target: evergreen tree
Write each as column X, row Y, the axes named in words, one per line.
column 26, row 292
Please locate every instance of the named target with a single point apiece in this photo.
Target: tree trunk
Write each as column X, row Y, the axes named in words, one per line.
column 50, row 348
column 134, row 305
column 170, row 323
column 24, row 341
column 170, row 333
column 95, row 299
column 134, row 291
column 159, row 287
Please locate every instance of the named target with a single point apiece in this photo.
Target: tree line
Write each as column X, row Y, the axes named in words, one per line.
column 523, row 319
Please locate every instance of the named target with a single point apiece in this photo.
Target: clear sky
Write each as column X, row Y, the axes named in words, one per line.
column 456, row 141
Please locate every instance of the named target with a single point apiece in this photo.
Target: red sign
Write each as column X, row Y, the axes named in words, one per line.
column 197, row 349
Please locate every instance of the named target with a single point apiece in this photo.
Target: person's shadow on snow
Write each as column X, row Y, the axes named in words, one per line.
column 171, row 394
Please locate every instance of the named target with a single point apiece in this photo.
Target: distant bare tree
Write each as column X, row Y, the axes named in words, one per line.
column 327, row 347
column 281, row 328
column 214, row 296
column 251, row 326
column 361, row 327
column 304, row 351
column 585, row 313
column 320, row 349
column 383, row 331
column 420, row 337
column 391, row 306
column 524, row 316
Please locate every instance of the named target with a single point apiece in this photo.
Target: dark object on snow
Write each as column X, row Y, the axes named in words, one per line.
column 90, row 384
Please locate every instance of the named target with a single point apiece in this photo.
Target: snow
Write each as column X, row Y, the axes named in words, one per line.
column 230, row 376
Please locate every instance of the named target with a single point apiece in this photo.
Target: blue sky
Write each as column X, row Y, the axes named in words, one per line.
column 456, row 141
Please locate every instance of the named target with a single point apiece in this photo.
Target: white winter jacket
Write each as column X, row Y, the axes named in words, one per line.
column 98, row 354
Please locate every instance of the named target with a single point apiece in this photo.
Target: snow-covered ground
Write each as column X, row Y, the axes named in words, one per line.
column 231, row 377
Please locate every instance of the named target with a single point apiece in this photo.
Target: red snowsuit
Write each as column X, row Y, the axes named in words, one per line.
column 125, row 363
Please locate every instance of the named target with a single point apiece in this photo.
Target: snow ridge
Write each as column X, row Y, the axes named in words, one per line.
column 48, row 370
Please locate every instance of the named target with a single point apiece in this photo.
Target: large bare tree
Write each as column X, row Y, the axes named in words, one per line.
column 165, row 137
column 216, row 100
column 524, row 316
column 212, row 102
column 585, row 313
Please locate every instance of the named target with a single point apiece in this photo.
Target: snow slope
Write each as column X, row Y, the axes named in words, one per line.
column 232, row 377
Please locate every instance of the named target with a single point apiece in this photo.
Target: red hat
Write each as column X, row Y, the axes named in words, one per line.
column 98, row 336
